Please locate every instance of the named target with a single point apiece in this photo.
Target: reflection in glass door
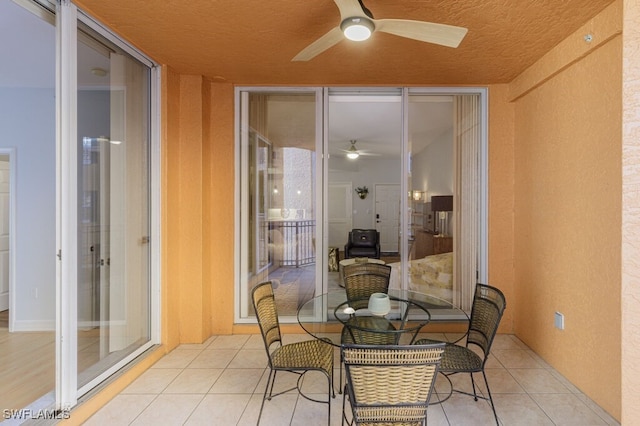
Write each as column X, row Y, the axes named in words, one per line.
column 278, row 206
column 28, row 205
column 113, row 206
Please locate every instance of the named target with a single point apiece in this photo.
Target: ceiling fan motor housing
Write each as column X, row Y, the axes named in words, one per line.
column 357, row 28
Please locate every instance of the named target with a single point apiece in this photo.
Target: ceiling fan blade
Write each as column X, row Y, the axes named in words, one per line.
column 328, row 40
column 349, row 8
column 446, row 35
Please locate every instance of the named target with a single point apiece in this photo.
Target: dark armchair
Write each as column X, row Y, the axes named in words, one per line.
column 363, row 243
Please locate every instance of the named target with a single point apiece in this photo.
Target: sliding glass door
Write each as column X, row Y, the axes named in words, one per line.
column 113, row 95
column 408, row 163
column 27, row 205
column 279, row 227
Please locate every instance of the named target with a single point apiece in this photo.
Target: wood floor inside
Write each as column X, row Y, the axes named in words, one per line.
column 27, row 363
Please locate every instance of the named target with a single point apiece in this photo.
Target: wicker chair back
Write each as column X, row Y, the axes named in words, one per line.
column 390, row 384
column 361, row 280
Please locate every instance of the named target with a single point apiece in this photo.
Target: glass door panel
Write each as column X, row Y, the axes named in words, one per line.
column 445, row 132
column 113, row 205
column 27, row 207
column 278, row 206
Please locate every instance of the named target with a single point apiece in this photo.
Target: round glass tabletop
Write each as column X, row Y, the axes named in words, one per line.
column 330, row 316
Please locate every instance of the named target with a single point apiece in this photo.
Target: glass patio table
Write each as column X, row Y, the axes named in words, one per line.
column 329, row 316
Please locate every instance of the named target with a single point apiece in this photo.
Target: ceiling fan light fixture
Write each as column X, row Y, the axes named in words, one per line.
column 352, row 152
column 353, row 155
column 357, row 28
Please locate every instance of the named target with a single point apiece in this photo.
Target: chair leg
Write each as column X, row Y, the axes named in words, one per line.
column 344, row 406
column 330, row 392
column 270, row 380
column 490, row 398
column 473, row 384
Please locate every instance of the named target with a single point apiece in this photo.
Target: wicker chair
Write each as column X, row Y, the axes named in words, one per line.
column 389, row 384
column 488, row 306
column 361, row 280
column 297, row 357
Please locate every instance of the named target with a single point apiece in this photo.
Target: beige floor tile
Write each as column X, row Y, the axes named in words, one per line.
column 518, row 342
column 315, row 382
column 277, row 412
column 515, row 358
column 168, row 410
column 234, row 341
column 154, row 380
column 203, row 345
column 250, row 414
column 538, row 380
column 492, row 362
column 194, row 380
column 463, row 410
column 284, row 381
column 178, row 358
column 505, row 341
column 219, row 410
column 237, row 380
column 519, row 409
column 436, row 416
column 500, row 381
column 213, row 358
column 121, row 410
column 312, row 413
column 567, row 409
column 249, row 358
column 572, row 388
column 598, row 410
column 210, row 383
column 461, row 381
column 254, row 342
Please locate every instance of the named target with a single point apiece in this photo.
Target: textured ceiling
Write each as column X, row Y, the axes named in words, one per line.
column 252, row 41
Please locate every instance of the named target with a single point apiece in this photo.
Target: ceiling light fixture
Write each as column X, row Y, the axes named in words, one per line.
column 352, row 152
column 357, row 28
column 99, row 72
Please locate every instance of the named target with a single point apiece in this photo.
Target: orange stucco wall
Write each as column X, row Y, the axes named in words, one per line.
column 198, row 208
column 567, row 204
column 501, row 178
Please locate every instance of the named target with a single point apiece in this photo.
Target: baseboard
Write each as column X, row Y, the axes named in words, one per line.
column 33, row 325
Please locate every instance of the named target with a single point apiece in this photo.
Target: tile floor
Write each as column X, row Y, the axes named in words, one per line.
column 221, row 382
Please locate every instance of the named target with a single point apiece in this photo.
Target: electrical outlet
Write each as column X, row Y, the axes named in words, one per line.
column 559, row 320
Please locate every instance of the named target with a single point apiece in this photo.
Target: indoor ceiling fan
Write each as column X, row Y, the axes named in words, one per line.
column 353, row 152
column 357, row 23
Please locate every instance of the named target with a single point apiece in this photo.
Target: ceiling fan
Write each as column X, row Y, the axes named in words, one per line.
column 353, row 152
column 357, row 23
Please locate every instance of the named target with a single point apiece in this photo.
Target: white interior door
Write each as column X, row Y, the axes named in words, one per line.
column 4, row 234
column 387, row 214
column 339, row 210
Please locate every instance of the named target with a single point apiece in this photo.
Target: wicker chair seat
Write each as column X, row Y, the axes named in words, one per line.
column 310, row 354
column 456, row 358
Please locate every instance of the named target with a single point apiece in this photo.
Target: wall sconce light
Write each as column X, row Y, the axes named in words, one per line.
column 418, row 195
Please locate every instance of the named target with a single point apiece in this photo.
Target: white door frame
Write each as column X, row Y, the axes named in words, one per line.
column 398, row 215
column 11, row 153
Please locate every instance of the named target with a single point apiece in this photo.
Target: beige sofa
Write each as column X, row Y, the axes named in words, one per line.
column 430, row 275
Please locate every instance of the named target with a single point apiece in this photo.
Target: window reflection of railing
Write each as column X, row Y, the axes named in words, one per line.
column 292, row 242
